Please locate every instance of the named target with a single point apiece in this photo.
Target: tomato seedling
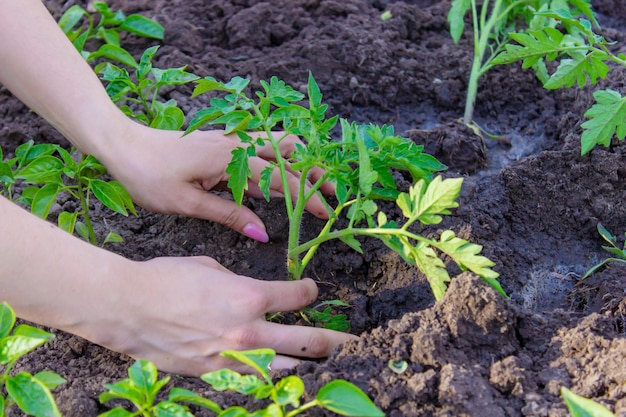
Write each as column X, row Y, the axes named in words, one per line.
column 361, row 164
column 493, row 24
column 619, row 254
column 50, row 170
column 142, row 386
column 107, row 29
column 144, row 90
column 31, row 393
column 582, row 55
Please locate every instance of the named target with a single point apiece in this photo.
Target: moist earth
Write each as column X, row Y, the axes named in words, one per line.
column 532, row 203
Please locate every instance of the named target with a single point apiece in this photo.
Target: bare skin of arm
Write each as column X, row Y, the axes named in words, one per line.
column 178, row 312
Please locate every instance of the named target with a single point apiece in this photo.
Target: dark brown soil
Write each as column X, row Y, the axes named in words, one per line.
column 534, row 206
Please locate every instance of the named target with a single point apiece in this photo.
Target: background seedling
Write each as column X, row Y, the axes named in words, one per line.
column 620, row 254
column 338, row 396
column 50, row 170
column 144, row 90
column 582, row 55
column 493, row 23
column 142, row 386
column 361, row 164
column 31, row 393
column 106, row 25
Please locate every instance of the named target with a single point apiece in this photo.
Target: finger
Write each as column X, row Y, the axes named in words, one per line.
column 203, row 205
column 302, row 341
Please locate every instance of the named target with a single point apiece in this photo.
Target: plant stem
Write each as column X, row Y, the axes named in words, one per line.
column 83, row 198
column 302, row 408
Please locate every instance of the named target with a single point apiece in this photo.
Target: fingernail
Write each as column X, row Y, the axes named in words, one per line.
column 256, row 232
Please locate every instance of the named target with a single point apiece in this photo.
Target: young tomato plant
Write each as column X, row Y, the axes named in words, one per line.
column 141, row 389
column 107, row 29
column 619, row 254
column 142, row 386
column 50, row 170
column 361, row 165
column 143, row 91
column 31, row 393
column 338, row 396
column 492, row 23
column 583, row 57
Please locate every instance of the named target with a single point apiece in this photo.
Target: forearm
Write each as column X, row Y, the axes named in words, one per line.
column 52, row 278
column 42, row 68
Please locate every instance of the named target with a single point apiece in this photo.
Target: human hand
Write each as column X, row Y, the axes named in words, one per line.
column 181, row 313
column 167, row 173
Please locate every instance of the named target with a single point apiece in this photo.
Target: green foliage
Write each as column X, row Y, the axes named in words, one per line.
column 583, row 56
column 497, row 24
column 361, row 165
column 142, row 387
column 323, row 315
column 50, row 170
column 106, row 25
column 619, row 254
column 143, row 89
column 338, row 396
column 31, row 393
column 583, row 407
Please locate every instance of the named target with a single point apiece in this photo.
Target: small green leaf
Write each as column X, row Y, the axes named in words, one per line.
column 71, row 17
column 67, row 221
column 288, row 391
column 181, row 395
column 44, row 199
column 42, row 170
column 83, row 231
column 125, row 390
column 259, row 359
column 456, row 17
column 168, row 118
column 50, row 379
column 427, row 202
column 265, row 180
column 346, row 399
column 15, row 346
column 31, row 396
column 583, row 407
column 143, row 26
column 115, row 53
column 7, row 319
column 108, row 195
column 143, row 374
column 351, row 241
column 398, row 367
column 169, row 409
column 607, row 117
column 229, row 380
column 112, row 237
column 117, row 412
column 239, row 171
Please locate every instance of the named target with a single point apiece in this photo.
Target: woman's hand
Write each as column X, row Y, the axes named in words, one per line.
column 168, row 173
column 181, row 313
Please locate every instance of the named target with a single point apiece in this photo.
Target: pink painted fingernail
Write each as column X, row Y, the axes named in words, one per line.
column 256, row 232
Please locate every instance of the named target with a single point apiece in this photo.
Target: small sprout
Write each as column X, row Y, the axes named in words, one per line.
column 398, row 367
column 386, row 15
column 583, row 407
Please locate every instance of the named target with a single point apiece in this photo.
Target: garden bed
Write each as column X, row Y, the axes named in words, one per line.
column 533, row 205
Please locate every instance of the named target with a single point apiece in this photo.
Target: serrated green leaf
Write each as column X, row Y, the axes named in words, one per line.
column 534, row 46
column 607, row 118
column 583, row 407
column 207, row 84
column 456, row 16
column 427, row 202
column 239, row 171
column 265, row 180
column 578, row 69
column 234, row 120
column 433, row 267
column 347, row 399
column 31, row 396
column 351, row 241
column 143, row 26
